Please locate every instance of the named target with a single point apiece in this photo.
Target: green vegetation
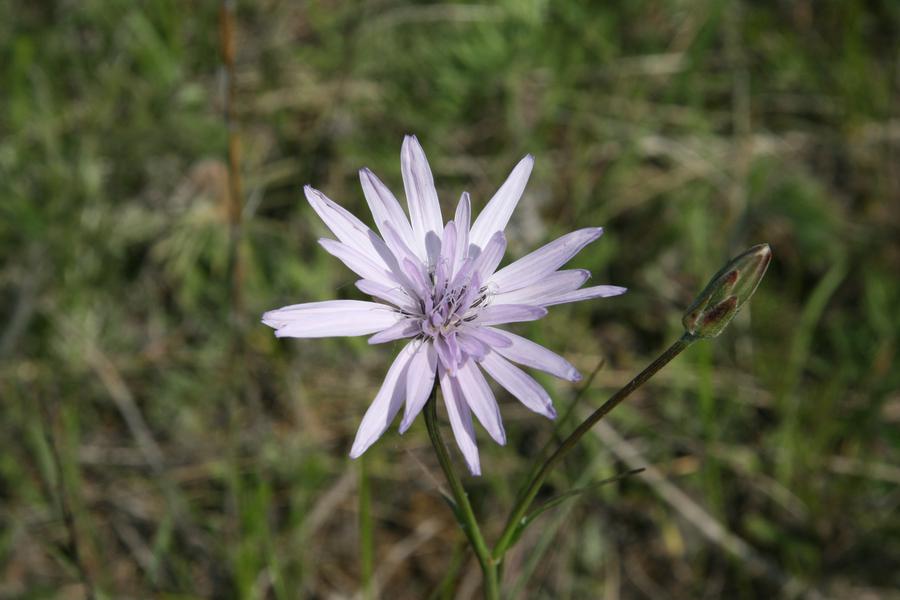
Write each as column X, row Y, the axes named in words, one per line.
column 148, row 416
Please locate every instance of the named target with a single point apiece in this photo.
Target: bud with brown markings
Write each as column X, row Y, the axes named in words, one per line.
column 727, row 292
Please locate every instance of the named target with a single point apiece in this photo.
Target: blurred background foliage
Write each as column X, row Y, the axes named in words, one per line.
column 148, row 416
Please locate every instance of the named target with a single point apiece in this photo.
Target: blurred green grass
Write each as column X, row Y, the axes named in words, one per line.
column 203, row 458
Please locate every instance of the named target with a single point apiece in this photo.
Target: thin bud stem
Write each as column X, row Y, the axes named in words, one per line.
column 521, row 508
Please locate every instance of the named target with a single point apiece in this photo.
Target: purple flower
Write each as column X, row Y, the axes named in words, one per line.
column 438, row 286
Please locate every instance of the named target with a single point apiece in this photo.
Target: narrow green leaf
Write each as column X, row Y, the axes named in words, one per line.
column 554, row 502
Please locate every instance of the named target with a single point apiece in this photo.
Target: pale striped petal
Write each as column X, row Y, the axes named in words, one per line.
column 399, row 247
column 490, row 336
column 496, row 214
column 330, row 318
column 588, row 293
column 404, row 328
column 348, row 229
column 518, row 383
column 359, row 263
column 552, row 285
column 395, row 294
column 525, row 352
column 460, row 421
column 419, row 382
column 445, row 355
column 543, row 261
column 490, row 256
column 481, row 400
column 472, row 346
column 443, row 272
column 386, row 405
column 418, row 277
column 422, row 199
column 509, row 313
column 384, row 206
column 463, row 221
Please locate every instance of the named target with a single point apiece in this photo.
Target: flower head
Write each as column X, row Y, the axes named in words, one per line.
column 438, row 286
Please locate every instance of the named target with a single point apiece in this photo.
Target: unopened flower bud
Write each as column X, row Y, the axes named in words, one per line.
column 727, row 292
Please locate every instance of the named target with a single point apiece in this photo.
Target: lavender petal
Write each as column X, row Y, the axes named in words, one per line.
column 490, row 256
column 552, row 285
column 384, row 206
column 448, row 256
column 543, row 261
column 489, row 336
column 330, row 318
column 463, row 220
column 521, row 385
column 448, row 362
column 471, row 345
column 346, row 227
column 402, row 329
column 509, row 313
column 421, row 196
column 395, row 294
column 481, row 400
column 525, row 352
column 386, row 405
column 460, row 421
column 359, row 263
column 588, row 293
column 499, row 209
column 419, row 382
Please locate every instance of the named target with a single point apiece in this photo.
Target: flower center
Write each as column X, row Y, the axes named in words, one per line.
column 445, row 310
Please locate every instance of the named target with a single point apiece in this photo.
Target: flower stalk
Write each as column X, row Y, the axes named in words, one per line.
column 461, row 506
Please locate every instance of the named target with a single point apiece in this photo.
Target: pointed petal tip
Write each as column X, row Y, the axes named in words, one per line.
column 573, row 375
column 527, row 162
column 362, row 443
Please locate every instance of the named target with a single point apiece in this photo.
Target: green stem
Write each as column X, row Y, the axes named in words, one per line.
column 524, row 503
column 366, row 530
column 463, row 509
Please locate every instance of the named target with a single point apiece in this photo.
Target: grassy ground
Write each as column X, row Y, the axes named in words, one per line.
column 149, row 417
